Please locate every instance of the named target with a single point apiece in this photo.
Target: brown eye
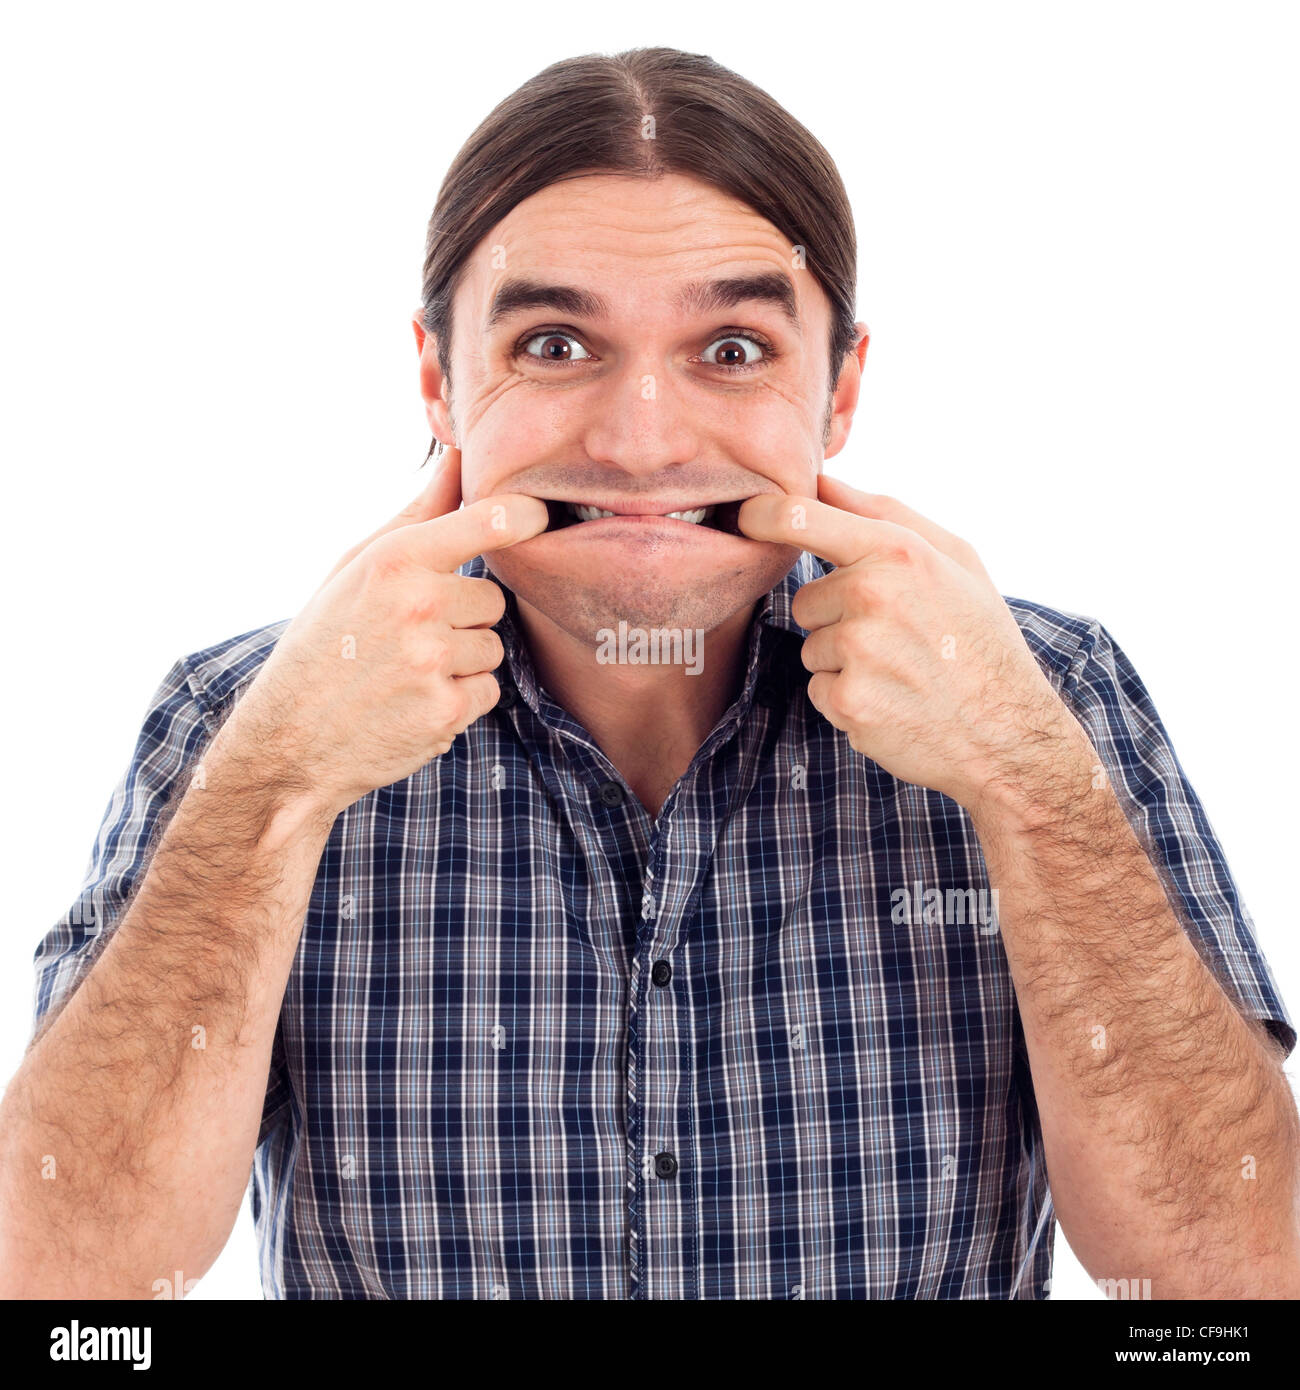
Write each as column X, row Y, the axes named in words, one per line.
column 735, row 352
column 555, row 347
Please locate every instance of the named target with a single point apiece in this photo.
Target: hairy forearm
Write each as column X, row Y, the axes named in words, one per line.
column 1170, row 1131
column 127, row 1134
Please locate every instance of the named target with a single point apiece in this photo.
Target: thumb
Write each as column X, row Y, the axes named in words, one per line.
column 440, row 496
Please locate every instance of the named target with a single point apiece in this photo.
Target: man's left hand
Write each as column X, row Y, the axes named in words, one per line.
column 914, row 653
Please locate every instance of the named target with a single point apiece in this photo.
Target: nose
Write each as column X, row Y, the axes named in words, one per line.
column 639, row 421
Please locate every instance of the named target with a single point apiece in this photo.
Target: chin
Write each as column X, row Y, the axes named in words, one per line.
column 583, row 594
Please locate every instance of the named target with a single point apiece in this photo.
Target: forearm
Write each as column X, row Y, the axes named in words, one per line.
column 127, row 1135
column 1171, row 1135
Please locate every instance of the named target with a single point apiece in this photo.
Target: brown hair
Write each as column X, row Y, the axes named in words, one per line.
column 584, row 115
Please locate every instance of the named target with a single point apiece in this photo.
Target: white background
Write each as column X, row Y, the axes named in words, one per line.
column 1077, row 226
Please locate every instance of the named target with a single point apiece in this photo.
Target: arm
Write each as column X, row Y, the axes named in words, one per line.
column 127, row 1134
column 1170, row 1131
column 1171, row 1137
column 125, row 1145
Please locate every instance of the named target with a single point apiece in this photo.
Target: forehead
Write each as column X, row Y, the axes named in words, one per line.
column 631, row 239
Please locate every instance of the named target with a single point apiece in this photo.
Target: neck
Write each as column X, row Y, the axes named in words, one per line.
column 648, row 720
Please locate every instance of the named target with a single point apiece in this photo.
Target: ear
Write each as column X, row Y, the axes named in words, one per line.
column 432, row 382
column 845, row 399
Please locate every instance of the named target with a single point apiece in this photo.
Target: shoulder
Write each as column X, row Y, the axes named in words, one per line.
column 1061, row 640
column 215, row 674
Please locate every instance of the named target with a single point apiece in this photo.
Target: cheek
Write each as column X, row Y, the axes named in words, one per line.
column 788, row 458
column 776, row 436
column 515, row 431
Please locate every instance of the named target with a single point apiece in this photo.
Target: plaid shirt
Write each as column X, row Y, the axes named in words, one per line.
column 537, row 1044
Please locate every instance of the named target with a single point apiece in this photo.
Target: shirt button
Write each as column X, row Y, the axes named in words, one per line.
column 662, row 973
column 610, row 794
column 508, row 696
column 665, row 1164
column 766, row 695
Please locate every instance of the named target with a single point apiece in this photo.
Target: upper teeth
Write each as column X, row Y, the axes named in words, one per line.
column 583, row 513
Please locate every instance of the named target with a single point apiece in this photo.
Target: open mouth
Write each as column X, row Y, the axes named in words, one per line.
column 720, row 516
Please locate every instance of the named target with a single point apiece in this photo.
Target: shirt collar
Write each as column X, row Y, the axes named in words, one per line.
column 776, row 607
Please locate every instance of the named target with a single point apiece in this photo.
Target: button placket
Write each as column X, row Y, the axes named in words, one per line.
column 666, row 1236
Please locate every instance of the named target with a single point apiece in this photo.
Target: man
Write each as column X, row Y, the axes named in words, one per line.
column 594, row 894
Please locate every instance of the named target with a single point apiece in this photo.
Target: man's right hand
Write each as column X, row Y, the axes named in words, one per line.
column 393, row 655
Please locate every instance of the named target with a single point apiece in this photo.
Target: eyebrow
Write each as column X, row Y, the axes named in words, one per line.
column 699, row 297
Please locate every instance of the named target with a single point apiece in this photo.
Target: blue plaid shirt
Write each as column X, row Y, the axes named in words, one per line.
column 537, row 1044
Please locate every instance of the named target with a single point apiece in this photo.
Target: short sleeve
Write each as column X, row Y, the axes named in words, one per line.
column 176, row 728
column 1108, row 698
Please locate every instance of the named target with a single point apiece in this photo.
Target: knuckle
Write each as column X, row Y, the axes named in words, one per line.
column 438, row 653
column 430, row 656
column 423, row 609
column 454, row 708
column 384, row 561
column 862, row 587
column 857, row 638
column 843, row 701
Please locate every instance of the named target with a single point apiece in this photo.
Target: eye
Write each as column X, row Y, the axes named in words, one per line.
column 554, row 348
column 737, row 352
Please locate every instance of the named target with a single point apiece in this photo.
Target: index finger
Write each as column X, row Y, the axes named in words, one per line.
column 835, row 535
column 491, row 523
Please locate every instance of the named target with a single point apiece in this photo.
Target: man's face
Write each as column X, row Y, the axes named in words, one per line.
column 632, row 402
